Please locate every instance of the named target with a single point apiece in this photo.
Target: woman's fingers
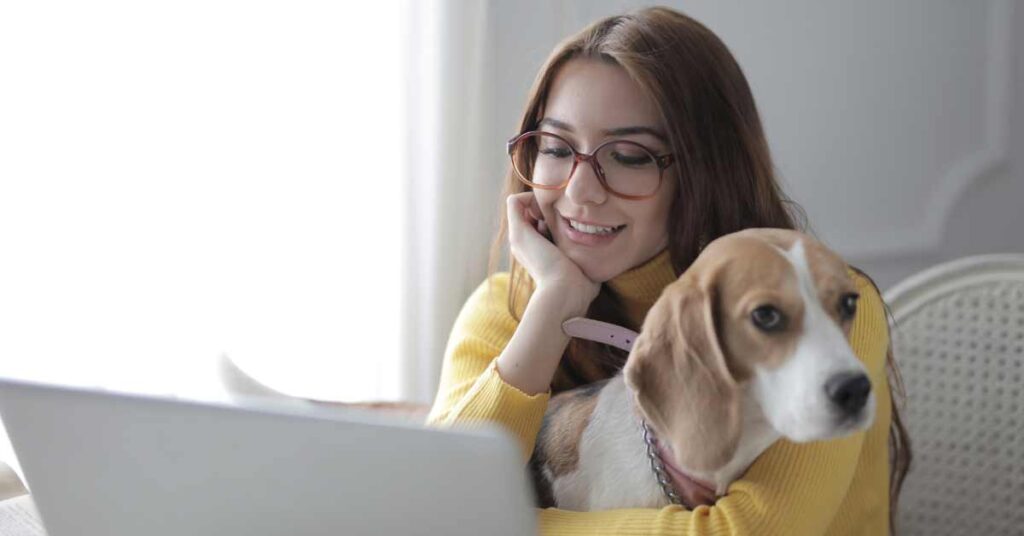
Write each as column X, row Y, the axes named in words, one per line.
column 534, row 208
column 545, row 262
column 522, row 213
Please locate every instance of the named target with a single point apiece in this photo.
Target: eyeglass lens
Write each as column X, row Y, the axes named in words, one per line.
column 628, row 168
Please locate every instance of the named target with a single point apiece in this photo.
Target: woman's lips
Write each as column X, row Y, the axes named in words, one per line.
column 587, row 239
column 587, row 222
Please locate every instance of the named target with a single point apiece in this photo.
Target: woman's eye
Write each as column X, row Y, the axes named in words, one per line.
column 556, row 152
column 632, row 160
column 848, row 305
column 768, row 318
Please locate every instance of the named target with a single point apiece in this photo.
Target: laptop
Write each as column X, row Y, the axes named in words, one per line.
column 114, row 463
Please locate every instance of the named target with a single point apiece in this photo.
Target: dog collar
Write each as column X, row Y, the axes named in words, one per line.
column 597, row 331
column 671, row 478
column 658, row 466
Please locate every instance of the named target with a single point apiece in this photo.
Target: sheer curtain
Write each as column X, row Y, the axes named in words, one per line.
column 455, row 163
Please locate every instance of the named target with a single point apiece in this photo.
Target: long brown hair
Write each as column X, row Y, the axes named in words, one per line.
column 724, row 173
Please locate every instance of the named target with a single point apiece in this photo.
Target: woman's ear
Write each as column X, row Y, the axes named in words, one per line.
column 680, row 379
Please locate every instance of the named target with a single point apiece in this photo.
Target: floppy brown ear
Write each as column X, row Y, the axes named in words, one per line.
column 680, row 379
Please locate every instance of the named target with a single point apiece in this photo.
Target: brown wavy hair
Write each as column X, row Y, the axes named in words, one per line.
column 724, row 173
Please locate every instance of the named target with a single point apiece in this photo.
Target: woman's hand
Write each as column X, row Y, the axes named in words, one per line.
column 533, row 248
column 532, row 355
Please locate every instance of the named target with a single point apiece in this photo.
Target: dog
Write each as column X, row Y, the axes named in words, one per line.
column 749, row 345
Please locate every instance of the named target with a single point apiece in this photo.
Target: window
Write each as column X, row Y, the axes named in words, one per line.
column 183, row 179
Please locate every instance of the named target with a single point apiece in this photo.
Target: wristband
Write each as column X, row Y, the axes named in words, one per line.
column 603, row 332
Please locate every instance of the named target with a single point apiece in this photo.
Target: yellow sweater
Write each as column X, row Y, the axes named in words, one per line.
column 836, row 487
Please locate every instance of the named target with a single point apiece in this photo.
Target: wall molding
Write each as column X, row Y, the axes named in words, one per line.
column 929, row 236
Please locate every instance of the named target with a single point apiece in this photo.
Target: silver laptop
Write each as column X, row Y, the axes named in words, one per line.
column 109, row 463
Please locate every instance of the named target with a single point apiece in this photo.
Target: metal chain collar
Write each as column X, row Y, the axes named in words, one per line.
column 658, row 466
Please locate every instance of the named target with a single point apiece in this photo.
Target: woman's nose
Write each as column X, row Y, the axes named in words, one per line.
column 584, row 186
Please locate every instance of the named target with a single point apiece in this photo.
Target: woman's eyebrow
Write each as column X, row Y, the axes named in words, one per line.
column 623, row 131
column 626, row 131
column 561, row 125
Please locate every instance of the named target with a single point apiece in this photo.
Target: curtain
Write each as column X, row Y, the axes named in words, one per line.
column 453, row 181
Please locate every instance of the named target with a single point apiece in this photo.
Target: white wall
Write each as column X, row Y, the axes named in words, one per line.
column 895, row 126
column 988, row 217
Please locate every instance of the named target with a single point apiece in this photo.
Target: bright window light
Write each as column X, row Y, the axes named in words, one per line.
column 184, row 179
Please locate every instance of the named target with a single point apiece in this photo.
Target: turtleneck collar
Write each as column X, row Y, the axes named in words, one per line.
column 639, row 287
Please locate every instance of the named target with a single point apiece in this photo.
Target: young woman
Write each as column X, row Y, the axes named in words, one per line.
column 640, row 143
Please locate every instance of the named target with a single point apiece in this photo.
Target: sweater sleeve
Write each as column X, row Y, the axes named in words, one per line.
column 791, row 488
column 471, row 390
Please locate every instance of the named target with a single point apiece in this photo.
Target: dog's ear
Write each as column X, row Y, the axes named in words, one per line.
column 680, row 379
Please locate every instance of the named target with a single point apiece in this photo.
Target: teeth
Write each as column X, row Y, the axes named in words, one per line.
column 591, row 229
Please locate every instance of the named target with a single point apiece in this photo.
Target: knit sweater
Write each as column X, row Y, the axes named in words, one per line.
column 835, row 487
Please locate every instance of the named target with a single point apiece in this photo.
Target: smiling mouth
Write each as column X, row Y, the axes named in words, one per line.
column 597, row 230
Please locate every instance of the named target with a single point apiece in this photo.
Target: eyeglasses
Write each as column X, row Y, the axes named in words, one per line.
column 625, row 168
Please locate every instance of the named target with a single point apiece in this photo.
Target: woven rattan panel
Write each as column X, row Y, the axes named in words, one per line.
column 962, row 359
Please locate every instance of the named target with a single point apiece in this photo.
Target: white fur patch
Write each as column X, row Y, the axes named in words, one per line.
column 613, row 467
column 793, row 395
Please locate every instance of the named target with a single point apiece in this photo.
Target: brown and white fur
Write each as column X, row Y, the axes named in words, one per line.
column 714, row 387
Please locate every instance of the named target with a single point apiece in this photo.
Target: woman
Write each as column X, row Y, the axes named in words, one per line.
column 640, row 143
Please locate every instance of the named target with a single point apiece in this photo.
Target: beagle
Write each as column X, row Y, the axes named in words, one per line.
column 749, row 345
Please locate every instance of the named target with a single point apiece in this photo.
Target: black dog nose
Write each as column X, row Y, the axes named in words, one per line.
column 849, row 391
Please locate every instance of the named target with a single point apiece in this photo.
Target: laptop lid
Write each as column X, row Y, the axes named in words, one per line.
column 111, row 463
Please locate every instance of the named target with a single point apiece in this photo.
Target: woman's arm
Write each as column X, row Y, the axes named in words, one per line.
column 792, row 489
column 498, row 370
column 529, row 360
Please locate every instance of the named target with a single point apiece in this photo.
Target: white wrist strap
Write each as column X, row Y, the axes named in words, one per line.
column 603, row 332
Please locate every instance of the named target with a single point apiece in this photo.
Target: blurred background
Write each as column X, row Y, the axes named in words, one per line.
column 311, row 188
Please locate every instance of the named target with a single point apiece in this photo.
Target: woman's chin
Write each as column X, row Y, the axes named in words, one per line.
column 594, row 266
column 597, row 274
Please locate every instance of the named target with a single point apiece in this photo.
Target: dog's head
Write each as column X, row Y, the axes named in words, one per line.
column 764, row 309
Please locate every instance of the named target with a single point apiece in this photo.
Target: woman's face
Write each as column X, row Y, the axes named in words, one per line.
column 590, row 102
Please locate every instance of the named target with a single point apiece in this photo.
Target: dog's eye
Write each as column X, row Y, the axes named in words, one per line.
column 768, row 318
column 848, row 305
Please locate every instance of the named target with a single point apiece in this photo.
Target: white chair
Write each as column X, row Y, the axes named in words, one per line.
column 959, row 341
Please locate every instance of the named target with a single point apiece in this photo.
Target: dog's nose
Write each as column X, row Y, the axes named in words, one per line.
column 849, row 391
